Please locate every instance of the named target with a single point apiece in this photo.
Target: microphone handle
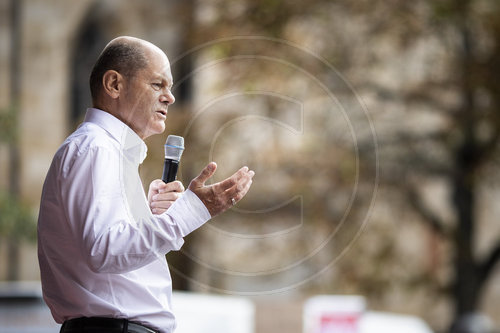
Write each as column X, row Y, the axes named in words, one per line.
column 170, row 168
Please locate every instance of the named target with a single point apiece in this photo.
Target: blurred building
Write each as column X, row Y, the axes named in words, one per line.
column 60, row 40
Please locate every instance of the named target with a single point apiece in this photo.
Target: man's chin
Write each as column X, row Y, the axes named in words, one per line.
column 157, row 129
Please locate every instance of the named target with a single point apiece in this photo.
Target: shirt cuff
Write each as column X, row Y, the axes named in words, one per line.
column 188, row 212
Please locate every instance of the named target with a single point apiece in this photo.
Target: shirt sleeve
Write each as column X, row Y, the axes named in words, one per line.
column 113, row 237
column 189, row 202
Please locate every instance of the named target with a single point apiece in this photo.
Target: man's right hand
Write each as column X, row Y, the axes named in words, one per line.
column 221, row 196
column 161, row 196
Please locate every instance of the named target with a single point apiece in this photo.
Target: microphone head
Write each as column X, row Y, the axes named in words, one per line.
column 174, row 146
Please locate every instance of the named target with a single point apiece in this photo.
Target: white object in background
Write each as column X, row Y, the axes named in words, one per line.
column 378, row 322
column 199, row 313
column 333, row 314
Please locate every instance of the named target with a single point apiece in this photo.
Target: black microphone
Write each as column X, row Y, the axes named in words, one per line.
column 174, row 146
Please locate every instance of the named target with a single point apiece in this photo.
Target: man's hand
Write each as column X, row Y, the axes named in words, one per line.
column 161, row 195
column 221, row 196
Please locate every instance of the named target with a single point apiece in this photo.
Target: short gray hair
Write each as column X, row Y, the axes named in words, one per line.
column 125, row 57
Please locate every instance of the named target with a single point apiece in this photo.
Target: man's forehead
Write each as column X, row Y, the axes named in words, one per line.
column 164, row 75
column 158, row 59
column 158, row 66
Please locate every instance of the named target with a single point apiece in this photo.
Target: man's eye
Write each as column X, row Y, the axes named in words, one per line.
column 157, row 86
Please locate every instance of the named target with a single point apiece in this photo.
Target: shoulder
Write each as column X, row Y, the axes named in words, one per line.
column 90, row 136
column 86, row 139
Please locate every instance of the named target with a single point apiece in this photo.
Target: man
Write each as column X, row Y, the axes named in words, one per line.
column 101, row 242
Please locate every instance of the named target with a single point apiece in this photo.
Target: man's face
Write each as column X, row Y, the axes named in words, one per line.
column 147, row 96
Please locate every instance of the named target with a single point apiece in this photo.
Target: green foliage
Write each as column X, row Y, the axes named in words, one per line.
column 8, row 120
column 16, row 220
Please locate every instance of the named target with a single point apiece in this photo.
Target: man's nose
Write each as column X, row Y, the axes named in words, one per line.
column 167, row 97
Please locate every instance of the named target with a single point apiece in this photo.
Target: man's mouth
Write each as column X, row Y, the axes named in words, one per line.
column 162, row 112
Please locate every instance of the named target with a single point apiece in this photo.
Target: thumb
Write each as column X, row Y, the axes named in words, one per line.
column 204, row 175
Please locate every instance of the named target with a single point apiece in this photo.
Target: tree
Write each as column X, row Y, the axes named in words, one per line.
column 459, row 144
column 461, row 100
column 16, row 221
column 471, row 143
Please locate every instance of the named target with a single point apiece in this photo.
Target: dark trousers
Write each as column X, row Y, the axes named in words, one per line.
column 103, row 325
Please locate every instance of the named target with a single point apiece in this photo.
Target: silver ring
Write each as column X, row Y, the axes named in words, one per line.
column 233, row 201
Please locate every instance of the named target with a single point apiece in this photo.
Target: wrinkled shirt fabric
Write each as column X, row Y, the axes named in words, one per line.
column 101, row 251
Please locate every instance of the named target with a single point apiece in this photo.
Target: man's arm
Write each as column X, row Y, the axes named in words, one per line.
column 114, row 236
column 113, row 243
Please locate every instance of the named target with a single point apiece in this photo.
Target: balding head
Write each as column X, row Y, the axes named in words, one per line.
column 126, row 55
column 132, row 81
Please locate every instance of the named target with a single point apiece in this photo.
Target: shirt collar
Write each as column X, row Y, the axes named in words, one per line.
column 128, row 139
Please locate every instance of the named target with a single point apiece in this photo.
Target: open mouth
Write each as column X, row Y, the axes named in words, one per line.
column 163, row 113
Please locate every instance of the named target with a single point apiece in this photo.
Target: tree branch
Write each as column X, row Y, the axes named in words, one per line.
column 429, row 217
column 490, row 146
column 486, row 267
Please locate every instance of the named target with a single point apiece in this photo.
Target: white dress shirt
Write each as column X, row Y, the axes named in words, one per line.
column 101, row 250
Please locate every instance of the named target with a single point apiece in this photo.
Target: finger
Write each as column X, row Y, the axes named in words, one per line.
column 154, row 188
column 156, row 185
column 175, row 186
column 204, row 175
column 161, row 202
column 161, row 205
column 159, row 198
column 158, row 211
column 235, row 177
column 239, row 190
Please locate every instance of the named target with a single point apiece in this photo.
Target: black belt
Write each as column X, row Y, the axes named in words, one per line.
column 103, row 325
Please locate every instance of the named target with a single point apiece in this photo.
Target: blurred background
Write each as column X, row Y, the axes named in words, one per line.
column 373, row 128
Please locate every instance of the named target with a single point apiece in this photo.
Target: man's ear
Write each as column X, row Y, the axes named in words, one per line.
column 112, row 83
